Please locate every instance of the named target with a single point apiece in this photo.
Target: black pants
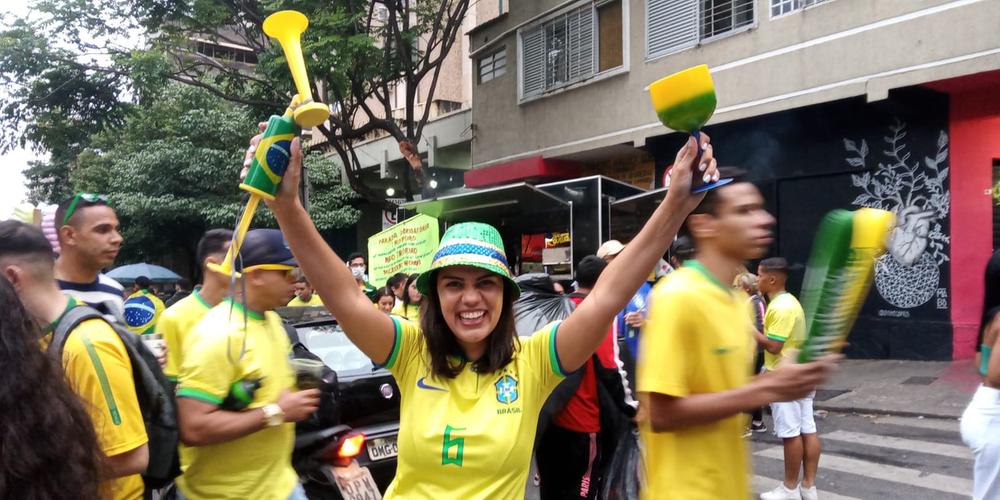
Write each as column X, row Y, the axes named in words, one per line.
column 568, row 464
column 758, row 362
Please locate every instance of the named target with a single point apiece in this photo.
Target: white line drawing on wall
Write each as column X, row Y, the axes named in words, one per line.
column 908, row 275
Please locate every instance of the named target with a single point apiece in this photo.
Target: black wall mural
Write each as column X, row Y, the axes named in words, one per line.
column 892, row 155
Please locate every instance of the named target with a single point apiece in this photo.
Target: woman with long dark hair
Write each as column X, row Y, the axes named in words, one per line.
column 409, row 308
column 472, row 389
column 48, row 449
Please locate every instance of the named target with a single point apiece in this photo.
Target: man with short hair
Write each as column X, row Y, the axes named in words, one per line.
column 356, row 262
column 238, row 451
column 304, row 296
column 94, row 358
column 89, row 240
column 784, row 332
column 179, row 320
column 142, row 308
column 694, row 356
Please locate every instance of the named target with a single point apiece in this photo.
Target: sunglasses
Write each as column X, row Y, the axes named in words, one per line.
column 87, row 197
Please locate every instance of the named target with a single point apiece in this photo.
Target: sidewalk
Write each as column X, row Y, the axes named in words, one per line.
column 938, row 389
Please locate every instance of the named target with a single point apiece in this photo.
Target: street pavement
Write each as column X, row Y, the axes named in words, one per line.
column 885, row 457
column 912, row 388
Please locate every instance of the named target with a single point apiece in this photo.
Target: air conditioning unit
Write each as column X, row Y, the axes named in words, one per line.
column 381, row 13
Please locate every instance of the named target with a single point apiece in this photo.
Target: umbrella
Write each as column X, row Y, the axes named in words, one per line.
column 155, row 273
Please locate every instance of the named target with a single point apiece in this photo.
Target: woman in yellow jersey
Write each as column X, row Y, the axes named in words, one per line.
column 409, row 308
column 471, row 390
column 385, row 299
column 49, row 446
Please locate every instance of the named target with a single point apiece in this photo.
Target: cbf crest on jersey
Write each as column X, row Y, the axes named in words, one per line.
column 506, row 387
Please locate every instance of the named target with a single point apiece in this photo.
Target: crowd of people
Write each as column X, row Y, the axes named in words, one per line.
column 651, row 353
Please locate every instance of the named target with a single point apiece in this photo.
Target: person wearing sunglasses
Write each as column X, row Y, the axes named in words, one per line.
column 89, row 240
column 243, row 453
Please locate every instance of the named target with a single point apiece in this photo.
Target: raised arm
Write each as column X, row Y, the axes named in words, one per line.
column 370, row 329
column 583, row 330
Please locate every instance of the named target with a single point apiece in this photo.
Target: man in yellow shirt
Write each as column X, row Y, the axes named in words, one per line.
column 94, row 359
column 784, row 332
column 695, row 355
column 304, row 296
column 179, row 320
column 243, row 451
column 142, row 308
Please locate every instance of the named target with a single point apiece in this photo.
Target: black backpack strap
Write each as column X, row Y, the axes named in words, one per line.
column 67, row 324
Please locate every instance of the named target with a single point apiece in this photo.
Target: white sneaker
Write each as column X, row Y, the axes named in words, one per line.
column 808, row 493
column 782, row 493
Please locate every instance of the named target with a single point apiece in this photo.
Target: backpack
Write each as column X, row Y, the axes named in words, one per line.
column 156, row 403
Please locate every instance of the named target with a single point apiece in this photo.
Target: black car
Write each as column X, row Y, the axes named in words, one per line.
column 353, row 435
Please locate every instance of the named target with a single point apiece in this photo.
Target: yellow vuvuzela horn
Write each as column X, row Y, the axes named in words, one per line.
column 287, row 27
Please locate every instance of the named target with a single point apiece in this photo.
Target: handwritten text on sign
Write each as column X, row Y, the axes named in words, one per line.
column 407, row 247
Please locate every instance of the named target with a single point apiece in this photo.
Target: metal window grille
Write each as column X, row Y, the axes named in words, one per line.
column 782, row 7
column 723, row 16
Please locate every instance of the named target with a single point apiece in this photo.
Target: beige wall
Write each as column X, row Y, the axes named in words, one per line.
column 914, row 46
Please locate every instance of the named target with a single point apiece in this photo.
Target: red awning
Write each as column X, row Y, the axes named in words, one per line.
column 532, row 169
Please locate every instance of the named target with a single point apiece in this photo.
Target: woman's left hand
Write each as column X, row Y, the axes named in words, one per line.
column 684, row 170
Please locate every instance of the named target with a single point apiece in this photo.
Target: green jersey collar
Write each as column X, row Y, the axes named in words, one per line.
column 698, row 266
column 239, row 307
column 201, row 299
column 51, row 327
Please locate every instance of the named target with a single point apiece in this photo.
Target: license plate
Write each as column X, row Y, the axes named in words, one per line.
column 356, row 483
column 382, row 448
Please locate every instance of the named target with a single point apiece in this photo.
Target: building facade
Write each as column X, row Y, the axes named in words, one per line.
column 827, row 103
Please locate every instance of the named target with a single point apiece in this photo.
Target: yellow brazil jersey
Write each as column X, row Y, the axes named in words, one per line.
column 100, row 372
column 142, row 309
column 784, row 321
column 696, row 340
column 409, row 312
column 469, row 437
column 222, row 350
column 314, row 300
column 175, row 324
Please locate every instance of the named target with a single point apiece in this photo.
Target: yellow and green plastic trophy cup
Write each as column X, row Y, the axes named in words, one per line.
column 275, row 147
column 685, row 101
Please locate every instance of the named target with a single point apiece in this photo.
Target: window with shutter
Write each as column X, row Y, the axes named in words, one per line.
column 675, row 25
column 533, row 62
column 671, row 25
column 564, row 49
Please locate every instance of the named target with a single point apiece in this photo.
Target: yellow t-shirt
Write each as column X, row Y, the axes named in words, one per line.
column 142, row 310
column 469, row 437
column 314, row 300
column 784, row 321
column 176, row 324
column 696, row 341
column 258, row 465
column 100, row 372
column 409, row 312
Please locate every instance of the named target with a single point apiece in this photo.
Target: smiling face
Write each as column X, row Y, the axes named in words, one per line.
column 471, row 303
